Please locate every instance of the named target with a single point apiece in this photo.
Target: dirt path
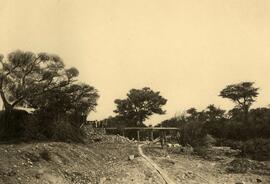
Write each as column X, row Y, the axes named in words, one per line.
column 162, row 173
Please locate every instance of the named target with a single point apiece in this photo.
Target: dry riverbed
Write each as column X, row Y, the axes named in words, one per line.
column 106, row 161
column 191, row 169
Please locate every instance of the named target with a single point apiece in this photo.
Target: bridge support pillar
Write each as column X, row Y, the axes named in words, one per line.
column 138, row 135
column 151, row 135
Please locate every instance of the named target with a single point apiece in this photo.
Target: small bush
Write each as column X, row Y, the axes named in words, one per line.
column 45, row 154
column 63, row 130
column 208, row 140
column 192, row 133
column 257, row 149
column 18, row 125
column 12, row 124
column 231, row 143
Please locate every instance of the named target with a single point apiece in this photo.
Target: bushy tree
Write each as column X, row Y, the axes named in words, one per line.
column 243, row 94
column 25, row 76
column 140, row 104
column 214, row 113
column 42, row 82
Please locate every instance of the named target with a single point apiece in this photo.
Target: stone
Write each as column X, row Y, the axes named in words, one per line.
column 131, row 157
column 258, row 180
column 102, row 180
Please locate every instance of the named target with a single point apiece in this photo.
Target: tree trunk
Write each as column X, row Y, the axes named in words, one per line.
column 7, row 106
column 246, row 109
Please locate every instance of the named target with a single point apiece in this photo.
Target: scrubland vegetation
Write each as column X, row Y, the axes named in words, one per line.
column 240, row 128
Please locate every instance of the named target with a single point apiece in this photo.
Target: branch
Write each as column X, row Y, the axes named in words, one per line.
column 3, row 97
column 17, row 101
column 240, row 102
column 32, row 64
column 9, row 71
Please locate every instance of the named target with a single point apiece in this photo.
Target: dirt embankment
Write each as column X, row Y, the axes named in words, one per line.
column 59, row 162
column 104, row 161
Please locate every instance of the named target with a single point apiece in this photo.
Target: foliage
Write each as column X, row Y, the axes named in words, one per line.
column 243, row 94
column 214, row 113
column 41, row 81
column 256, row 148
column 24, row 76
column 74, row 98
column 140, row 104
column 251, row 135
column 12, row 124
column 117, row 121
column 18, row 125
column 192, row 133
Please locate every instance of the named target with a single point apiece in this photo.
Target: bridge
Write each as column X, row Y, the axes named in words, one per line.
column 161, row 130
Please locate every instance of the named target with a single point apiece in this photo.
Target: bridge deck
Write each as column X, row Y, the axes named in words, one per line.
column 141, row 128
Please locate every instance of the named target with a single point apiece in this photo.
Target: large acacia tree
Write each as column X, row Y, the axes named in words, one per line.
column 140, row 104
column 243, row 94
column 42, row 81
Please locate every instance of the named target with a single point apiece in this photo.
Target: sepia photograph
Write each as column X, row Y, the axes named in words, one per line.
column 134, row 92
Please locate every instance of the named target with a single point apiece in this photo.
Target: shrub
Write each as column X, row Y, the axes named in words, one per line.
column 63, row 130
column 257, row 149
column 12, row 124
column 208, row 140
column 192, row 133
column 18, row 125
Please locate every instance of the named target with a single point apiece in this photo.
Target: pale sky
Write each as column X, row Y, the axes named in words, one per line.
column 189, row 50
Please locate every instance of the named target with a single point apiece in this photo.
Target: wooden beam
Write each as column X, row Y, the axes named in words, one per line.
column 143, row 128
column 138, row 135
column 151, row 135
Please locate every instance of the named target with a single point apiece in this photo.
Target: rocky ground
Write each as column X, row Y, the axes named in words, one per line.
column 105, row 160
column 57, row 162
column 184, row 166
column 109, row 160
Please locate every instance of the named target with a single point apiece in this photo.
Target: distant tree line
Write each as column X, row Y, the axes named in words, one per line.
column 41, row 83
column 241, row 127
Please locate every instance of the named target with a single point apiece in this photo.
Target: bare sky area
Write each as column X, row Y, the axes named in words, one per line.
column 188, row 50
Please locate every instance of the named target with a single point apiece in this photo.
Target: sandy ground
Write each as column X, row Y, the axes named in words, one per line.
column 66, row 163
column 109, row 163
column 191, row 169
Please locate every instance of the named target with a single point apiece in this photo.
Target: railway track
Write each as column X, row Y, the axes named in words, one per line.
column 162, row 173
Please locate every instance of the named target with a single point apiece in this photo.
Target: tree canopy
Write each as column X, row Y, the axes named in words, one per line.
column 214, row 113
column 25, row 75
column 41, row 81
column 140, row 104
column 75, row 98
column 243, row 94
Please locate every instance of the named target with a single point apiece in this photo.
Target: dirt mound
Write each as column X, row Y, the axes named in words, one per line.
column 58, row 162
column 98, row 135
column 243, row 165
column 216, row 153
